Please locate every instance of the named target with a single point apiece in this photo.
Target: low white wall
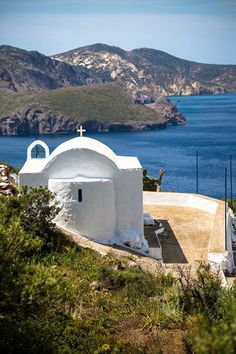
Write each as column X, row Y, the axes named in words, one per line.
column 230, row 238
column 129, row 203
column 181, row 199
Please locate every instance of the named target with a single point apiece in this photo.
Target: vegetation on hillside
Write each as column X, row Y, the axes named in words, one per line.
column 56, row 297
column 102, row 102
column 232, row 205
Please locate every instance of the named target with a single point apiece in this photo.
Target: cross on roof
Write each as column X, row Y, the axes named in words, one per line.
column 81, row 130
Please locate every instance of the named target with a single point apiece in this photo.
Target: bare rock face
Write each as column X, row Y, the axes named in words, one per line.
column 168, row 111
column 8, row 181
column 151, row 72
column 36, row 119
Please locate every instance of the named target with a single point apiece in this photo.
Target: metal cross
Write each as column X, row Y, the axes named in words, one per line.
column 81, row 130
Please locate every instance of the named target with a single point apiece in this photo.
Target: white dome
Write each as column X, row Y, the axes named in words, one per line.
column 84, row 143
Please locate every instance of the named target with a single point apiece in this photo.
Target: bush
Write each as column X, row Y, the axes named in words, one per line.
column 200, row 293
column 46, row 304
column 232, row 205
column 38, row 209
column 35, row 210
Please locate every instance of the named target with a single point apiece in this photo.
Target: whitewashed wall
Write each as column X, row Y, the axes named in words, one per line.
column 95, row 215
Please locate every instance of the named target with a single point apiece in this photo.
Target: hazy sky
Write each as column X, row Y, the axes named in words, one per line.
column 200, row 30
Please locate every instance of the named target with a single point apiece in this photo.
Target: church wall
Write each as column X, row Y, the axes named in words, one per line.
column 32, row 180
column 94, row 216
column 129, row 199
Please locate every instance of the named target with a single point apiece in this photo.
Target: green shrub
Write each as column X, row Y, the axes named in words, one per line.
column 232, row 205
column 200, row 293
column 48, row 303
column 38, row 209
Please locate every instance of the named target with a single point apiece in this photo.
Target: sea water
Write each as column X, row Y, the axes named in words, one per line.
column 210, row 130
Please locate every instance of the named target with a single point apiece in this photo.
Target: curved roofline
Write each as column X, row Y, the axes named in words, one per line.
column 81, row 143
column 86, row 144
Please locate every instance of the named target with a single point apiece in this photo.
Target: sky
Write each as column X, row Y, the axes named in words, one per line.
column 199, row 30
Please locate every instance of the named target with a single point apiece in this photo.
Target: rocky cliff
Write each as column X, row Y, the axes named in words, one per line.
column 149, row 73
column 168, row 111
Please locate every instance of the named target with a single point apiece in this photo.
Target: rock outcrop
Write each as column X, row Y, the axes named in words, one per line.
column 168, row 111
column 8, row 180
column 36, row 119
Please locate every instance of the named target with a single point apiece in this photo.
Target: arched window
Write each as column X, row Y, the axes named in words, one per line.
column 35, row 144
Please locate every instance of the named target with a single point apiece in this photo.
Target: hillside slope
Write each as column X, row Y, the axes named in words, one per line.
column 150, row 72
column 145, row 73
column 24, row 71
column 100, row 107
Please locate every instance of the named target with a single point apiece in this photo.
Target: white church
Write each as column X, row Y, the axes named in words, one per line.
column 101, row 198
column 100, row 193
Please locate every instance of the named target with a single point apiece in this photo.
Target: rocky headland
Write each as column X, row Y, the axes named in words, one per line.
column 101, row 107
column 37, row 119
column 168, row 111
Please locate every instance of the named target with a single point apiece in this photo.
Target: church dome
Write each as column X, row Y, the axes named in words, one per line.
column 86, row 144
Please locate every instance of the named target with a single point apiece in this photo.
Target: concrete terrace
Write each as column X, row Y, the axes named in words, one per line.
column 194, row 226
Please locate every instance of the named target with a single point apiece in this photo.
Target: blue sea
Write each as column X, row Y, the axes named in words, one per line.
column 210, row 129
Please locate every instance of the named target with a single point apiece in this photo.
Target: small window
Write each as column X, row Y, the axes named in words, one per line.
column 79, row 195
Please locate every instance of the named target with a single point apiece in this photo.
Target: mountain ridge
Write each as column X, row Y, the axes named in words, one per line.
column 31, row 71
column 151, row 72
column 145, row 72
column 102, row 46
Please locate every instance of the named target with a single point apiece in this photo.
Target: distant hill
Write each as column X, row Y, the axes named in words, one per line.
column 104, row 87
column 151, row 72
column 23, row 71
column 145, row 73
column 98, row 107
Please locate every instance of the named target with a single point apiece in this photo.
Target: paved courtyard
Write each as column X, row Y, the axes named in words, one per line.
column 189, row 233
